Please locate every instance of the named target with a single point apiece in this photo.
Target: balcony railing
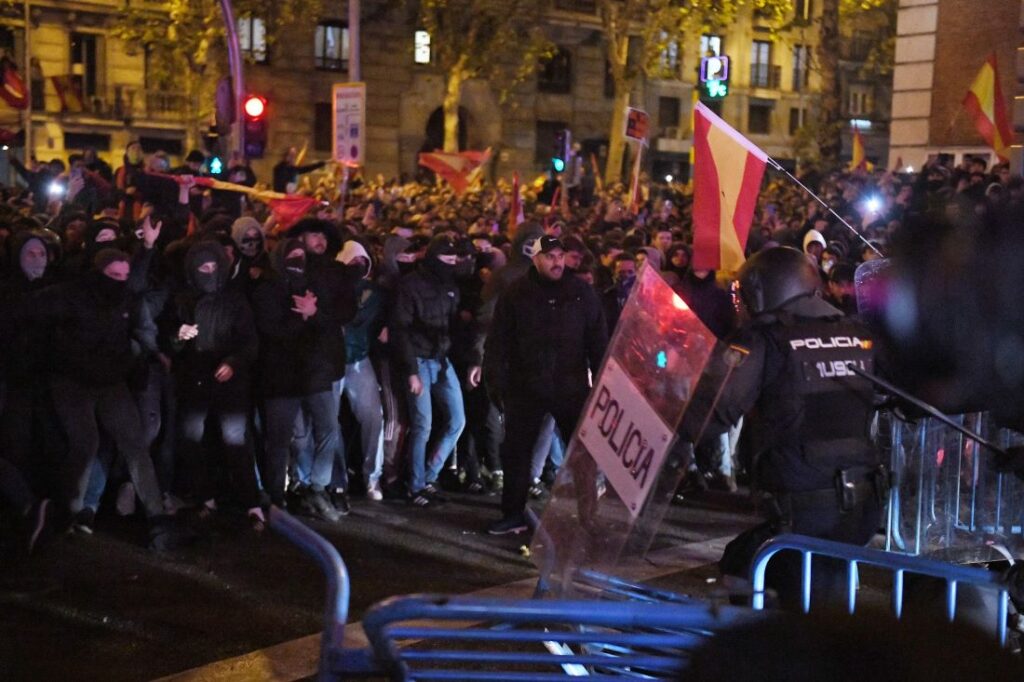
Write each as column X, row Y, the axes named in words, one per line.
column 118, row 102
column 766, row 76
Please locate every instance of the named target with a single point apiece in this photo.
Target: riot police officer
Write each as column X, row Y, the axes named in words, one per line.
column 790, row 369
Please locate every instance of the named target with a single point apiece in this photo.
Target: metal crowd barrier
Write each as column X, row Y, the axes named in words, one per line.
column 947, row 499
column 623, row 630
column 854, row 556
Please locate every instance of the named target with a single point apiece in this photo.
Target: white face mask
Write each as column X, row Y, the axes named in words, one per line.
column 827, row 265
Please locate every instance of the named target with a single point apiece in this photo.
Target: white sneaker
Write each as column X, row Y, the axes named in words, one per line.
column 126, row 499
column 374, row 493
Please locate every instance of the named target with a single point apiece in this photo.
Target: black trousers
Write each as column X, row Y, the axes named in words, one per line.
column 828, row 576
column 523, row 418
column 480, row 442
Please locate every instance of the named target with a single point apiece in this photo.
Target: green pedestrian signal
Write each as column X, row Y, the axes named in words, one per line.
column 716, row 89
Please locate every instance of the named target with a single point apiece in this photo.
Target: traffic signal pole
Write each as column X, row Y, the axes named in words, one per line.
column 237, row 74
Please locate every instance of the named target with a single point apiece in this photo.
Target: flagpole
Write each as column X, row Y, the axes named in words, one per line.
column 777, row 166
column 26, row 70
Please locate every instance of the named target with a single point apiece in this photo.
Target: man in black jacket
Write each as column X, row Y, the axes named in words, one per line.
column 93, row 325
column 210, row 335
column 548, row 332
column 425, row 305
column 299, row 320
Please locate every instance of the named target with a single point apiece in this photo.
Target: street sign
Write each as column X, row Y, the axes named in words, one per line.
column 349, row 122
column 625, row 436
column 714, row 69
column 638, row 124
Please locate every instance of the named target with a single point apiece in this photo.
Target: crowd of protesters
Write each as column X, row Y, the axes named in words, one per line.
column 183, row 349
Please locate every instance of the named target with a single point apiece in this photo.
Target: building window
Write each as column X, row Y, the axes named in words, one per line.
column 84, row 63
column 803, row 12
column 796, row 119
column 421, row 47
column 669, row 61
column 801, row 70
column 858, row 101
column 252, row 38
column 322, row 132
column 668, row 114
column 547, row 134
column 761, row 64
column 710, row 46
column 759, row 118
column 331, row 46
column 556, row 73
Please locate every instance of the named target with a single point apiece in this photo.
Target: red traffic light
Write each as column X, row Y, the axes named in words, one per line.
column 255, row 106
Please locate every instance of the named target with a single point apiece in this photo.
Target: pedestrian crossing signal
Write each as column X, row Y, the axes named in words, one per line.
column 716, row 89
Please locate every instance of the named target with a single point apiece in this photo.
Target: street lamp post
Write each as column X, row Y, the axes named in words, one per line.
column 237, row 75
column 355, row 73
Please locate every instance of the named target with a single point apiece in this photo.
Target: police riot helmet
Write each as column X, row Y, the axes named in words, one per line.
column 774, row 277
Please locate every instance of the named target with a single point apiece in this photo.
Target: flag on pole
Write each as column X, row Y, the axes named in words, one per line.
column 986, row 104
column 455, row 169
column 515, row 208
column 69, row 94
column 635, row 199
column 12, row 88
column 301, row 156
column 859, row 161
column 727, row 174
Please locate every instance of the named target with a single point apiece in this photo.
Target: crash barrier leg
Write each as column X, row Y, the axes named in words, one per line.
column 332, row 655
column 898, row 564
column 468, row 639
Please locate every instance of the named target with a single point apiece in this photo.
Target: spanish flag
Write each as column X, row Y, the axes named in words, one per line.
column 859, row 160
column 986, row 104
column 726, row 181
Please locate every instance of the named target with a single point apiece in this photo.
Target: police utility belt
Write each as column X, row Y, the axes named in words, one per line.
column 848, row 492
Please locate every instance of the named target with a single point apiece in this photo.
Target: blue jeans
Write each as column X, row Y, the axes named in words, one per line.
column 441, row 384
column 360, row 386
column 282, row 415
column 549, row 446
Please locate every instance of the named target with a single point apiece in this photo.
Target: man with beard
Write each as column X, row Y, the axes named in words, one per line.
column 210, row 334
column 426, row 302
column 548, row 334
column 93, row 322
column 298, row 327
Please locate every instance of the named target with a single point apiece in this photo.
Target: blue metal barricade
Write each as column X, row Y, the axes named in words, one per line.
column 948, row 500
column 954, row 575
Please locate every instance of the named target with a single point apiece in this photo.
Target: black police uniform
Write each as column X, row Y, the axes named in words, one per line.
column 811, row 418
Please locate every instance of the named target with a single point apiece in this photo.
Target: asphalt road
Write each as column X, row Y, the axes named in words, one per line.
column 105, row 608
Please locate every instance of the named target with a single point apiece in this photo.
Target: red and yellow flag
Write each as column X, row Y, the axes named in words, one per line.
column 987, row 106
column 859, row 160
column 456, row 169
column 515, row 208
column 727, row 176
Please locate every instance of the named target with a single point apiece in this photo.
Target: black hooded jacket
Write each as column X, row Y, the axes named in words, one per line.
column 299, row 357
column 227, row 332
column 23, row 347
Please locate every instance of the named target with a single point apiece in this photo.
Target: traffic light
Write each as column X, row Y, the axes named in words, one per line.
column 714, row 76
column 254, row 118
column 560, row 151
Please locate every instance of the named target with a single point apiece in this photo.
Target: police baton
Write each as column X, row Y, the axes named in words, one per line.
column 934, row 412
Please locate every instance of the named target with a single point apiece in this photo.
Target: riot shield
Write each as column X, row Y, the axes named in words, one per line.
column 623, row 462
column 871, row 283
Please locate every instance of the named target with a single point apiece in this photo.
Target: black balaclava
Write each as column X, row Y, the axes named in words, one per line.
column 111, row 291
column 441, row 245
column 207, row 251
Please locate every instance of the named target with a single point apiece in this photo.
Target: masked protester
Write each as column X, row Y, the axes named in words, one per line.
column 26, row 421
column 252, row 264
column 614, row 297
column 93, row 323
column 360, row 384
column 209, row 334
column 427, row 301
column 299, row 323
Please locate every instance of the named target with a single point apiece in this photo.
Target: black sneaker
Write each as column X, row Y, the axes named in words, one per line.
column 421, row 498
column 320, row 506
column 434, row 493
column 84, row 521
column 476, row 488
column 537, row 489
column 513, row 524
column 339, row 498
